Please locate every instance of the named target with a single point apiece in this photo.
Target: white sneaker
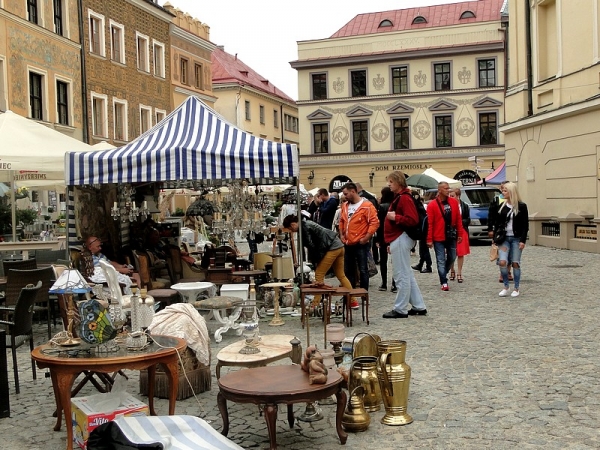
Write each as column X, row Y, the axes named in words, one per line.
column 503, row 293
column 515, row 293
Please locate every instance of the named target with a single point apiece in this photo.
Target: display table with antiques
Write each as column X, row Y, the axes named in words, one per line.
column 66, row 363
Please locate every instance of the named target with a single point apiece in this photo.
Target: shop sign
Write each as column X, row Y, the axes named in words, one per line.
column 467, row 177
column 30, row 175
column 402, row 167
column 337, row 183
column 4, row 165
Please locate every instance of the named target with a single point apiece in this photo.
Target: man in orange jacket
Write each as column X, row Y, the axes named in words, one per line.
column 358, row 224
column 444, row 230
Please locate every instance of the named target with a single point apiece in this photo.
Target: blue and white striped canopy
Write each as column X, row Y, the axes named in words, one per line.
column 191, row 143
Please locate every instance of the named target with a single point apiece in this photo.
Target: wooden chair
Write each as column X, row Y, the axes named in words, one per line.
column 17, row 279
column 20, row 327
column 175, row 265
column 160, row 294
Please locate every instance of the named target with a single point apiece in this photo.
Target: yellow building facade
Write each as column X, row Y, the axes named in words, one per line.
column 251, row 102
column 552, row 132
column 403, row 90
column 40, row 63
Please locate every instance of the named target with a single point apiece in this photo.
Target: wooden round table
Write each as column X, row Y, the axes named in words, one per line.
column 66, row 363
column 273, row 385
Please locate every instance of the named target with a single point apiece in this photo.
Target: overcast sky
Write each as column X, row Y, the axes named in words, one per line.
column 264, row 33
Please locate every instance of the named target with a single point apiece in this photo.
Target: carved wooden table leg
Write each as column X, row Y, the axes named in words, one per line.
column 172, row 371
column 64, row 383
column 222, row 403
column 341, row 404
column 271, row 418
column 58, row 411
column 290, row 410
column 151, row 378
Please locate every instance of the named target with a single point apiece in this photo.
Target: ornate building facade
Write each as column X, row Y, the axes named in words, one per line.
column 403, row 90
column 40, row 63
column 191, row 53
column 552, row 132
column 126, row 68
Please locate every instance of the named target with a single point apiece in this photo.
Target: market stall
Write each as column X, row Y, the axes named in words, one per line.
column 193, row 143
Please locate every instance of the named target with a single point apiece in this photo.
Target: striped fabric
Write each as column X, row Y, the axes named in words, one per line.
column 192, row 143
column 174, row 433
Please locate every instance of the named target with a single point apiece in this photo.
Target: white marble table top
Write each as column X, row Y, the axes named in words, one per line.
column 272, row 347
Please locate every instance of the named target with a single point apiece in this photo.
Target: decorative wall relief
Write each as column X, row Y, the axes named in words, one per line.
column 380, row 132
column 421, row 129
column 420, row 79
column 465, row 126
column 340, row 135
column 464, row 76
column 379, row 82
column 338, row 85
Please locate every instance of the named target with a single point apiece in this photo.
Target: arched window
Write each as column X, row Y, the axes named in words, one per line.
column 467, row 15
column 386, row 23
column 419, row 19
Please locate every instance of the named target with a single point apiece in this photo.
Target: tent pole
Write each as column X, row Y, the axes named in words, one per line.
column 13, row 205
column 300, row 245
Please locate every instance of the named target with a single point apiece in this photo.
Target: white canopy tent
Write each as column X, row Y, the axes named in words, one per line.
column 33, row 155
column 439, row 178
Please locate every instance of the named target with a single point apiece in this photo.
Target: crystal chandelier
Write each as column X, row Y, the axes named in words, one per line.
column 240, row 210
column 125, row 209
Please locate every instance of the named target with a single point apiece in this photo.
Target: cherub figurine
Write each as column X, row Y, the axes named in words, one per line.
column 313, row 364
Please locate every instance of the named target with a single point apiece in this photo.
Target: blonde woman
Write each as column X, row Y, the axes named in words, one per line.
column 510, row 234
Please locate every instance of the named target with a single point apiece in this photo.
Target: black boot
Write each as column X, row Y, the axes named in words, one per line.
column 417, row 267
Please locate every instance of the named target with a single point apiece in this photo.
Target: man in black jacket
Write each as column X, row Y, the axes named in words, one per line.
column 327, row 208
column 325, row 249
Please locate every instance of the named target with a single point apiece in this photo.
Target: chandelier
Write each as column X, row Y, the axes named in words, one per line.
column 125, row 208
column 239, row 209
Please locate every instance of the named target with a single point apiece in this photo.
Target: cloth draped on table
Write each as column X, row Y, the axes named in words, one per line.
column 182, row 320
column 157, row 433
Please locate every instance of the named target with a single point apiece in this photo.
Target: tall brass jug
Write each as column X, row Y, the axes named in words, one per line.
column 394, row 377
column 363, row 372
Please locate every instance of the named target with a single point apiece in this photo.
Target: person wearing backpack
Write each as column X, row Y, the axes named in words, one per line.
column 402, row 215
column 444, row 230
column 424, row 255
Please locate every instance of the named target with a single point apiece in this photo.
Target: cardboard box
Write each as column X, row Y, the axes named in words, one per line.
column 86, row 418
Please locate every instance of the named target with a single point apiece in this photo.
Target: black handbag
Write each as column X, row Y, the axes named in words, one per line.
column 499, row 236
column 450, row 231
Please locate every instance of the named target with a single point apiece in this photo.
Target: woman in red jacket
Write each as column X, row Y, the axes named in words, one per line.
column 444, row 230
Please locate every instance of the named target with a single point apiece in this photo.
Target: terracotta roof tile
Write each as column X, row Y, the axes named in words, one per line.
column 228, row 68
column 436, row 16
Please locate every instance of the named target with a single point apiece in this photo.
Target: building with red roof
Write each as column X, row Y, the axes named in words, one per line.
column 250, row 101
column 405, row 90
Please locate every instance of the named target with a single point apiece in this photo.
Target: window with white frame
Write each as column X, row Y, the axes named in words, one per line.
column 360, row 136
column 247, row 110
column 117, row 42
column 121, row 130
column 63, row 100
column 160, row 114
column 143, row 52
column 99, row 115
column 158, row 51
column 3, row 84
column 145, row 118
column 33, row 11
column 401, row 133
column 37, row 95
column 488, row 128
column 290, row 123
column 97, row 40
column 59, row 20
column 320, row 138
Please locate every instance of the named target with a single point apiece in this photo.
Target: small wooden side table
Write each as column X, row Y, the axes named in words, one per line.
column 273, row 347
column 274, row 385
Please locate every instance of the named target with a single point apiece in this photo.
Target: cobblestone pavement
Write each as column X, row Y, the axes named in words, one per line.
column 487, row 372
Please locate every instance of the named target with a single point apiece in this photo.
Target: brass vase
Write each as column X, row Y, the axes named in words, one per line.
column 356, row 418
column 363, row 372
column 394, row 377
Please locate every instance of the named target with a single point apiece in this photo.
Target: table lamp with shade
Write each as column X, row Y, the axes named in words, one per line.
column 70, row 282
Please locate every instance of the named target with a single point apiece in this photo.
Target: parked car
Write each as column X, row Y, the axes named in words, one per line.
column 478, row 198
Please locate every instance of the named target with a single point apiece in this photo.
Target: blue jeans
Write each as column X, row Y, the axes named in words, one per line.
column 445, row 255
column 408, row 290
column 509, row 252
column 356, row 255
